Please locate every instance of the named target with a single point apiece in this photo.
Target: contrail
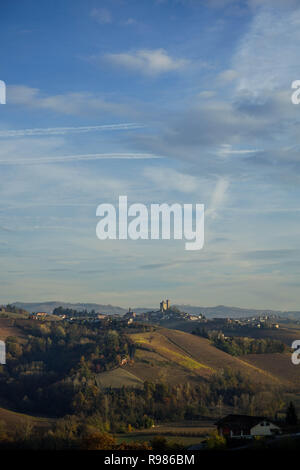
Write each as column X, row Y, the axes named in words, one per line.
column 71, row 158
column 69, row 130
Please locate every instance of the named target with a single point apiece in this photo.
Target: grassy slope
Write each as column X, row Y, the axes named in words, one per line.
column 173, row 350
column 7, row 328
column 277, row 364
column 11, row 419
column 185, row 432
column 118, row 378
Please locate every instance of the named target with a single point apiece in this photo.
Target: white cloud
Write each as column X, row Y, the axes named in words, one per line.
column 218, row 197
column 170, row 179
column 129, row 21
column 266, row 59
column 149, row 62
column 226, row 150
column 67, row 103
column 101, row 15
column 227, row 75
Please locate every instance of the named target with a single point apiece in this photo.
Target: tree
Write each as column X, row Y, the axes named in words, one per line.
column 98, row 441
column 216, row 442
column 291, row 415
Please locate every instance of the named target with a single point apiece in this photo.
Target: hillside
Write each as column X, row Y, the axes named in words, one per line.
column 48, row 307
column 7, row 328
column 280, row 365
column 176, row 356
column 118, row 378
column 11, row 419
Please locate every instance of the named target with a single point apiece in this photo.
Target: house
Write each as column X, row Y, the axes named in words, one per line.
column 101, row 316
column 123, row 361
column 247, row 427
column 39, row 315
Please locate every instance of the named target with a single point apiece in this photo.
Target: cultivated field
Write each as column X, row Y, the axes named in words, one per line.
column 194, row 356
column 118, row 378
column 185, row 432
column 280, row 365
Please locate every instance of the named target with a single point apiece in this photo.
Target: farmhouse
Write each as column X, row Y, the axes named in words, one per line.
column 243, row 426
column 39, row 315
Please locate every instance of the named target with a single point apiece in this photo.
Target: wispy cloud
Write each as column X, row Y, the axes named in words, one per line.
column 218, row 197
column 148, row 62
column 72, row 158
column 66, row 103
column 68, row 130
column 265, row 58
column 171, row 179
column 101, row 15
column 226, row 150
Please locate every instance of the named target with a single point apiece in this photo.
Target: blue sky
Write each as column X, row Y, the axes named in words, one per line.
column 206, row 86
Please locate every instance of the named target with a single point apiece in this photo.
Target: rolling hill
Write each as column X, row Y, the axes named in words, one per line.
column 11, row 419
column 8, row 329
column 118, row 378
column 176, row 356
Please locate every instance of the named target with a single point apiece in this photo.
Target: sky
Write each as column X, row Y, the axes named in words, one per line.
column 165, row 101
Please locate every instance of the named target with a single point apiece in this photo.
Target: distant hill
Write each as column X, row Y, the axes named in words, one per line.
column 48, row 307
column 235, row 312
column 210, row 312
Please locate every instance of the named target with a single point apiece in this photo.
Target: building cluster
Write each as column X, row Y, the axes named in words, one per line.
column 246, row 427
column 130, row 316
column 39, row 315
column 248, row 322
column 165, row 312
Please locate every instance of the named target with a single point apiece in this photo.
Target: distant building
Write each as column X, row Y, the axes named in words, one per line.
column 247, row 427
column 164, row 305
column 101, row 316
column 129, row 316
column 123, row 361
column 39, row 315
